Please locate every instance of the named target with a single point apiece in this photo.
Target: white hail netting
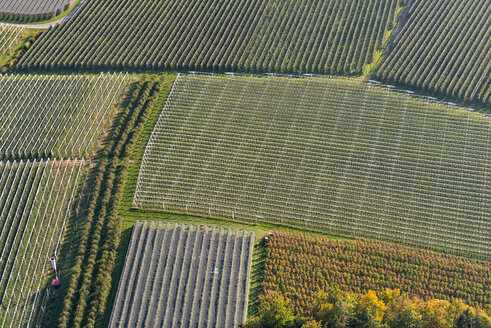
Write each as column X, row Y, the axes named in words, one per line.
column 32, row 7
column 53, row 115
column 8, row 36
column 328, row 154
column 181, row 275
column 35, row 204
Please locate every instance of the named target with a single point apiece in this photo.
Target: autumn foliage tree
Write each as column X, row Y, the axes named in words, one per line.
column 387, row 309
column 274, row 312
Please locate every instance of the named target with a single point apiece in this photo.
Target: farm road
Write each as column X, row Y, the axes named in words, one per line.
column 38, row 26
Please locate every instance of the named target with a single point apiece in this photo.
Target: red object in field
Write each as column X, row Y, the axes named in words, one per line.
column 55, row 283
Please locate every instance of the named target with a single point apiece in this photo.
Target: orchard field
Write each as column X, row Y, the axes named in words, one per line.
column 27, row 10
column 55, row 115
column 36, row 201
column 333, row 155
column 188, row 162
column 184, row 276
column 334, row 36
column 300, row 264
column 445, row 48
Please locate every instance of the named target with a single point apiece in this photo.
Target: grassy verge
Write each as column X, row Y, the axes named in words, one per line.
column 10, row 58
column 381, row 53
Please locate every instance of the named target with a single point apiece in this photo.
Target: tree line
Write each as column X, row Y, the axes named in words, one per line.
column 387, row 309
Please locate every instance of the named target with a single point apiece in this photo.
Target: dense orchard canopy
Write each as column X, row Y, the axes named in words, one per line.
column 334, row 36
column 444, row 47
